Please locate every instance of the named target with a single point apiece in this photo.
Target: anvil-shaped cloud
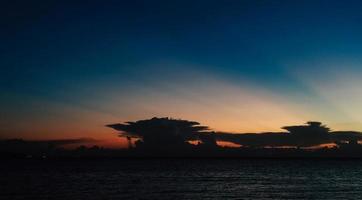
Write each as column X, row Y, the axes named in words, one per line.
column 159, row 132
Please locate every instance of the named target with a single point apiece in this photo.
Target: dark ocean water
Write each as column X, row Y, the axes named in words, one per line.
column 181, row 179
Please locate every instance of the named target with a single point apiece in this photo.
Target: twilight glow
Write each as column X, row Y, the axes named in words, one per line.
column 247, row 66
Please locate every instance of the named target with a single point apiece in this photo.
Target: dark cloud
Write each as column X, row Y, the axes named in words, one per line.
column 162, row 132
column 311, row 134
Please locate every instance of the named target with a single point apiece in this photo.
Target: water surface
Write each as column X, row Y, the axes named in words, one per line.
column 181, row 179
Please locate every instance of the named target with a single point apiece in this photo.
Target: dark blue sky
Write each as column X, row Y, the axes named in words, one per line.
column 118, row 58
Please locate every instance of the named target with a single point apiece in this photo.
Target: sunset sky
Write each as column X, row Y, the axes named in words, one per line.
column 69, row 68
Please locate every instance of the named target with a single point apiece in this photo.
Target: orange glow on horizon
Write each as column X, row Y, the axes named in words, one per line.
column 115, row 143
column 327, row 145
column 219, row 143
column 228, row 144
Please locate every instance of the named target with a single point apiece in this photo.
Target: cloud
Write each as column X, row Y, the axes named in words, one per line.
column 162, row 132
column 313, row 134
column 166, row 132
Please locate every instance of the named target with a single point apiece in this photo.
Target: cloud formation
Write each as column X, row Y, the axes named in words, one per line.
column 162, row 132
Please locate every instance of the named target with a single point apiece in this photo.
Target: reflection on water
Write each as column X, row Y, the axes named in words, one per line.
column 182, row 179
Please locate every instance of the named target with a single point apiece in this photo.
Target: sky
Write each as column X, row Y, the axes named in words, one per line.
column 68, row 68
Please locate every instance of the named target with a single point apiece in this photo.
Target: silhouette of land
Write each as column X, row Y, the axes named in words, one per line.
column 167, row 137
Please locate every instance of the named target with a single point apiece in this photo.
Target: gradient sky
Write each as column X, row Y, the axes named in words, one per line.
column 69, row 68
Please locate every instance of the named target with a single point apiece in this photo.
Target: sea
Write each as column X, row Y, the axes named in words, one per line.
column 181, row 179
